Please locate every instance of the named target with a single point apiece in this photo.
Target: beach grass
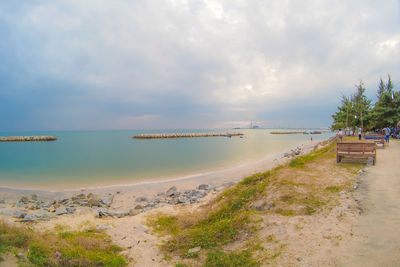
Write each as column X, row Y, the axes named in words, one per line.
column 292, row 189
column 67, row 248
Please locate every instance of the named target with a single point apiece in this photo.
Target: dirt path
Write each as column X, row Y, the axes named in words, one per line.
column 377, row 231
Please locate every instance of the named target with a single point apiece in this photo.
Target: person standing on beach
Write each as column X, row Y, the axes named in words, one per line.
column 340, row 134
column 359, row 133
column 387, row 134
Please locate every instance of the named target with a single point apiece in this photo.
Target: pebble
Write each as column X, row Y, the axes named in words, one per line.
column 21, row 256
column 61, row 211
column 19, row 214
column 194, row 250
column 46, row 204
column 24, row 200
column 6, row 212
column 172, row 192
column 103, row 227
column 203, row 187
column 42, row 214
column 94, row 202
column 107, row 200
column 183, row 199
column 141, row 199
column 133, row 212
column 142, row 228
column 139, row 207
column 29, row 217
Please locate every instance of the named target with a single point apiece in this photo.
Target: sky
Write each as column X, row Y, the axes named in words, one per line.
column 150, row 64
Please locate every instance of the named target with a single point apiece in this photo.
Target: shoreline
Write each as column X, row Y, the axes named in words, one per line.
column 232, row 173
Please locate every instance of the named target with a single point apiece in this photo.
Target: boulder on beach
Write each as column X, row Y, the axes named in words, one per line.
column 172, row 192
column 107, row 200
column 141, row 199
column 61, row 211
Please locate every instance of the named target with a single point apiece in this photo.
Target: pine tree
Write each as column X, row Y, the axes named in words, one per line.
column 386, row 112
column 362, row 106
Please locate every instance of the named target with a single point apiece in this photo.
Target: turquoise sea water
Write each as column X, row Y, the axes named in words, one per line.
column 112, row 157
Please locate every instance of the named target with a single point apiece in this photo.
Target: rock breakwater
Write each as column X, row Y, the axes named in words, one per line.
column 26, row 138
column 287, row 132
column 184, row 135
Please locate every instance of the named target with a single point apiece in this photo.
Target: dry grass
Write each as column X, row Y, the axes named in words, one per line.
column 77, row 248
column 307, row 185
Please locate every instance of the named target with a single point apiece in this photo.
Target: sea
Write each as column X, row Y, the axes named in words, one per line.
column 113, row 157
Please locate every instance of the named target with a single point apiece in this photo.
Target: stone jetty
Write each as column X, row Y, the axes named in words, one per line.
column 296, row 132
column 26, row 138
column 184, row 135
column 287, row 132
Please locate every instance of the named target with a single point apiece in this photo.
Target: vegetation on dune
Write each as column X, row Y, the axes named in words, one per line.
column 216, row 225
column 299, row 162
column 67, row 248
column 217, row 258
column 234, row 215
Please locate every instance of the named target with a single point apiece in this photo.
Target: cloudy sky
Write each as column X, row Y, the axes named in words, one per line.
column 102, row 64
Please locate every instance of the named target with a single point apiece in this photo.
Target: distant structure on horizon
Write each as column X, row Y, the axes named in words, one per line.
column 253, row 126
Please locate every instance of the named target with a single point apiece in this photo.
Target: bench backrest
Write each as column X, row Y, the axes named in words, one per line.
column 356, row 146
column 374, row 137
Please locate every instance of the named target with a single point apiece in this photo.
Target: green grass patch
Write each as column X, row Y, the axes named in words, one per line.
column 165, row 224
column 218, row 258
column 288, row 182
column 39, row 254
column 285, row 212
column 76, row 248
column 299, row 162
column 333, row 189
column 310, row 210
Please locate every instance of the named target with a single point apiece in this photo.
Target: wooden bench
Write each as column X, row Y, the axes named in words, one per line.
column 356, row 149
column 378, row 139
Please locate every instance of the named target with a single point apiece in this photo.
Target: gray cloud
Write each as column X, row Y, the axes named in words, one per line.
column 140, row 64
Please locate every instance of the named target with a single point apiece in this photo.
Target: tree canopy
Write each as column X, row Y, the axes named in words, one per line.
column 356, row 110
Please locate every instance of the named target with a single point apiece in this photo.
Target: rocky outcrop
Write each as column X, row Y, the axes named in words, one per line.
column 26, row 138
column 33, row 208
column 293, row 153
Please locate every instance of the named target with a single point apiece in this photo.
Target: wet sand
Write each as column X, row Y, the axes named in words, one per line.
column 376, row 239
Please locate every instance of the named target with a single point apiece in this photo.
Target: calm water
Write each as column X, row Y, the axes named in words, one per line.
column 111, row 157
